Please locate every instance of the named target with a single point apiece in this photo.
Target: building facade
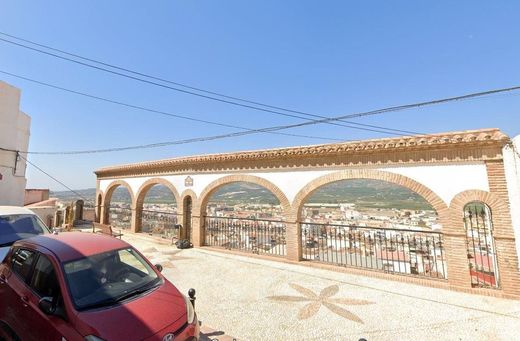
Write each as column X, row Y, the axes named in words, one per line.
column 14, row 136
column 469, row 178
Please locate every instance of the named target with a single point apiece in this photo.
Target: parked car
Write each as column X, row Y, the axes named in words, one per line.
column 17, row 223
column 82, row 286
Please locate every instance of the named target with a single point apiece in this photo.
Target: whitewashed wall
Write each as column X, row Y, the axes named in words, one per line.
column 512, row 170
column 14, row 134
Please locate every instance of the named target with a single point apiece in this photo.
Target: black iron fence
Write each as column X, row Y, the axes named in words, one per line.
column 248, row 235
column 480, row 246
column 412, row 252
column 159, row 223
column 120, row 217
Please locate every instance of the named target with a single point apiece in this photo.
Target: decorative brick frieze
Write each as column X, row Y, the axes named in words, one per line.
column 475, row 145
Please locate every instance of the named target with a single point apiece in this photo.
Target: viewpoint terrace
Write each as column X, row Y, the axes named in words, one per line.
column 449, row 170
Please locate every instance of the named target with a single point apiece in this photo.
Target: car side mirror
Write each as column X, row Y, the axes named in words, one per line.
column 159, row 267
column 46, row 305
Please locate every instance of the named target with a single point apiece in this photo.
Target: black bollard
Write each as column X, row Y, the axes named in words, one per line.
column 191, row 294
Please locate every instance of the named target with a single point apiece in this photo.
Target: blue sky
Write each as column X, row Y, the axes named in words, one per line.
column 324, row 57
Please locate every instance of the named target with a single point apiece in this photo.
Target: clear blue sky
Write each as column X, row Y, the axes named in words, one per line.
column 324, row 57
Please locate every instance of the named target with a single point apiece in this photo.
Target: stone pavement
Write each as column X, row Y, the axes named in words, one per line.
column 257, row 299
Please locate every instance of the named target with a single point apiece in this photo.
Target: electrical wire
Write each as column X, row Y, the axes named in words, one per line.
column 53, row 178
column 283, row 127
column 187, row 91
column 178, row 115
column 164, row 113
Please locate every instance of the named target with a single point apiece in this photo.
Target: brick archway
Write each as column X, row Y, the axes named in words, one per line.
column 108, row 197
column 145, row 187
column 503, row 233
column 141, row 195
column 433, row 199
column 351, row 174
column 498, row 207
column 186, row 213
column 212, row 187
column 199, row 206
column 191, row 193
column 99, row 205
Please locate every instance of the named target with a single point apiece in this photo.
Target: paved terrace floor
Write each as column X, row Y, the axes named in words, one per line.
column 257, row 299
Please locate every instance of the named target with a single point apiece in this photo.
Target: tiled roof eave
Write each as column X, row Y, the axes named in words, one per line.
column 480, row 139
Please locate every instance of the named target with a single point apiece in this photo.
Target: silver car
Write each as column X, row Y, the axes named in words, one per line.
column 18, row 223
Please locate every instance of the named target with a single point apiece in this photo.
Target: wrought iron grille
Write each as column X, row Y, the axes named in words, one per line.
column 247, row 235
column 159, row 223
column 480, row 245
column 412, row 252
column 120, row 217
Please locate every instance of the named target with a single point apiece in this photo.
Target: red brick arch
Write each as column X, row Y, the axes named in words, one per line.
column 108, row 196
column 141, row 194
column 189, row 192
column 503, row 233
column 112, row 186
column 215, row 185
column 185, row 217
column 99, row 205
column 145, row 187
column 350, row 174
column 499, row 210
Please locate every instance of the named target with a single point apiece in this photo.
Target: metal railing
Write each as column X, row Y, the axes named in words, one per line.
column 159, row 223
column 480, row 244
column 412, row 252
column 247, row 235
column 120, row 217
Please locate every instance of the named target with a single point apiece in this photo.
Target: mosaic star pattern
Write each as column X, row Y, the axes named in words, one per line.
column 324, row 298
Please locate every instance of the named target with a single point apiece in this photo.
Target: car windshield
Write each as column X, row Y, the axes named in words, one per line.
column 108, row 278
column 19, row 226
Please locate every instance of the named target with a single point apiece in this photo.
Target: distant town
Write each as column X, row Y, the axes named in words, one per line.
column 364, row 203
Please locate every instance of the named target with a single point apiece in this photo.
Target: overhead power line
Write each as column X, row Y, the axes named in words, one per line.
column 283, row 127
column 229, row 99
column 53, row 178
column 133, row 106
column 164, row 113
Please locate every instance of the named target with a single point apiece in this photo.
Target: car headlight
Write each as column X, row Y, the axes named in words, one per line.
column 190, row 311
column 93, row 338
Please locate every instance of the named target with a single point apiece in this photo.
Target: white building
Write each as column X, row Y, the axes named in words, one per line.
column 14, row 135
column 512, row 172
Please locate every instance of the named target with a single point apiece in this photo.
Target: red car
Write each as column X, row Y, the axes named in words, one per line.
column 81, row 286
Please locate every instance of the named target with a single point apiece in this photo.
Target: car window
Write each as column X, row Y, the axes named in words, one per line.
column 19, row 226
column 44, row 281
column 22, row 262
column 105, row 278
column 127, row 257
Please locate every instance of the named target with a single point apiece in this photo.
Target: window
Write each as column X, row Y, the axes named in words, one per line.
column 127, row 257
column 22, row 262
column 44, row 281
column 107, row 278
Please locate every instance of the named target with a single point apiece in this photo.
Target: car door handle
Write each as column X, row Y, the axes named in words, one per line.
column 25, row 300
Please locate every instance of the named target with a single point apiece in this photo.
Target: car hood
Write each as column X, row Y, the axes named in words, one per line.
column 139, row 318
column 3, row 252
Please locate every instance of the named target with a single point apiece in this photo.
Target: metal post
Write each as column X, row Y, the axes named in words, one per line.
column 191, row 294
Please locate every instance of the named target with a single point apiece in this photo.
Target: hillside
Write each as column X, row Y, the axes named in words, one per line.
column 364, row 193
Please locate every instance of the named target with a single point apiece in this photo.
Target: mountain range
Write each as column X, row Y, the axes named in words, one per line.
column 362, row 192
